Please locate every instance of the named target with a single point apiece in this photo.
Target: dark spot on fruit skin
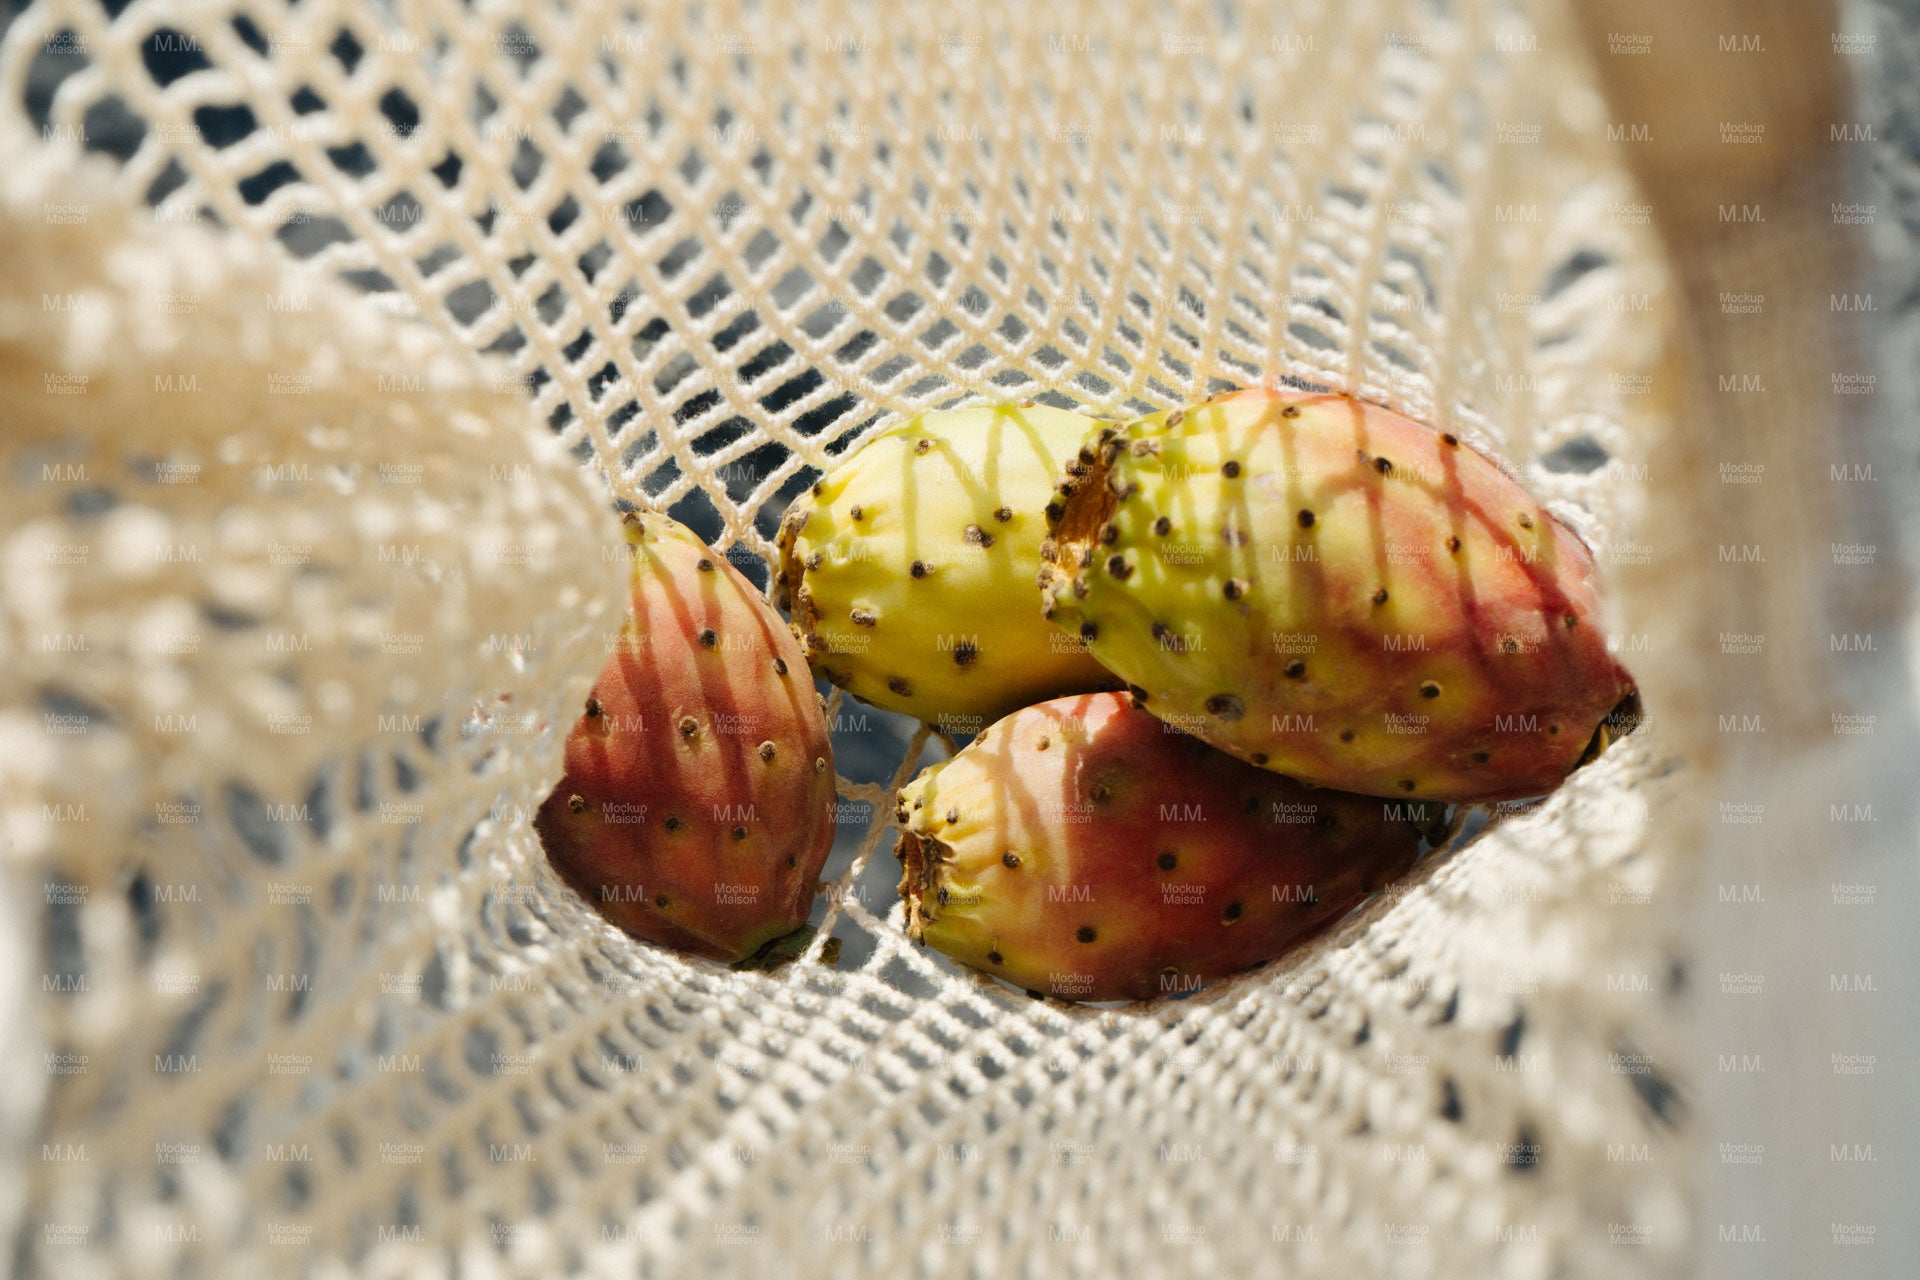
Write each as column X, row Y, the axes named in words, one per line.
column 1234, row 588
column 1003, row 515
column 1290, row 411
column 1481, row 757
column 1232, row 912
column 1509, row 645
column 919, row 569
column 709, row 638
column 921, row 446
column 1163, row 526
column 819, row 764
column 673, row 824
column 739, row 833
column 779, row 666
column 1054, row 512
column 1429, row 689
column 792, row 861
column 1383, row 466
column 1085, row 933
column 593, row 708
column 953, row 816
column 689, row 727
column 1380, row 596
column 1553, row 728
column 1260, row 757
column 1226, row 706
column 863, row 617
column 576, row 804
column 1089, row 630
column 900, row 686
column 767, row 751
column 857, row 513
column 1453, row 544
column 964, row 653
column 1109, row 533
column 1572, row 622
column 1117, row 566
column 817, row 488
column 1295, row 670
column 1010, row 859
column 1449, row 439
column 1306, row 519
column 1139, row 694
column 704, row 565
column 1168, row 862
column 1406, row 784
column 1042, row 744
column 660, row 901
column 1230, row 470
column 977, row 536
column 1099, row 793
column 1526, row 521
column 993, row 957
column 1346, row 735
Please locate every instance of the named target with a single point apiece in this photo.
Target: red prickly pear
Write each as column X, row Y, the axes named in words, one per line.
column 697, row 806
column 1082, row 848
column 1333, row 591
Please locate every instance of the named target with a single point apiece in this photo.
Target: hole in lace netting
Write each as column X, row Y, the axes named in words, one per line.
column 1581, row 455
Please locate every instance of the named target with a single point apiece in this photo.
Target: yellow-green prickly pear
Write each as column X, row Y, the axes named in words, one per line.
column 1338, row 593
column 909, row 567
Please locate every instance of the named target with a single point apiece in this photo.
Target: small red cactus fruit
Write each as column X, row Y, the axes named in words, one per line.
column 697, row 806
column 1083, row 849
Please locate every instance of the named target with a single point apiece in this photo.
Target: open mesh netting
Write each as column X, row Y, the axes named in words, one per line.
column 304, row 590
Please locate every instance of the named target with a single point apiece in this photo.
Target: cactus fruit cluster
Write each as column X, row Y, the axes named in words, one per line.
column 1324, row 588
column 1275, row 635
column 696, row 809
column 1082, row 848
column 909, row 567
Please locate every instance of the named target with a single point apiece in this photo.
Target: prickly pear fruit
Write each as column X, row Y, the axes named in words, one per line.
column 697, row 805
column 909, row 569
column 1335, row 592
column 1083, row 848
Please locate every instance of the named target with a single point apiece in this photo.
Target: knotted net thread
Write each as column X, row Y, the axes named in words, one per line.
column 343, row 1019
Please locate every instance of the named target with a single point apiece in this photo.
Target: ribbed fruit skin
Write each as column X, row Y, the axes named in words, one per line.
column 1336, row 592
column 1081, row 848
column 697, row 807
column 909, row 567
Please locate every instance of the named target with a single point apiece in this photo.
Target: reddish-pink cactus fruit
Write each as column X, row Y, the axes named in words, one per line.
column 697, row 806
column 1081, row 848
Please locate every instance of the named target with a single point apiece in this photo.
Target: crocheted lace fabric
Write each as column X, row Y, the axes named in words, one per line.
column 363, row 314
